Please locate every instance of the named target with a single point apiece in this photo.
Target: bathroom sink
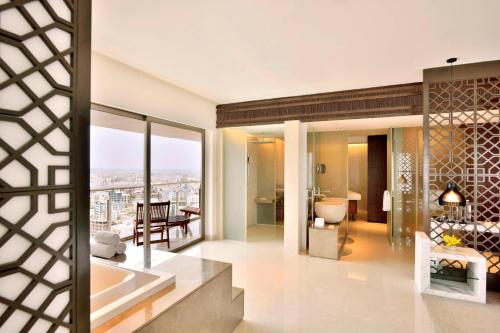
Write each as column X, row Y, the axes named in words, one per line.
column 351, row 195
column 332, row 199
column 333, row 210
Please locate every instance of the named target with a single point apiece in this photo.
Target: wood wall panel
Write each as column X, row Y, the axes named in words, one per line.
column 396, row 100
column 377, row 177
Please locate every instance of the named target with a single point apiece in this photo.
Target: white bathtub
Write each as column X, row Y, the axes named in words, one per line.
column 114, row 288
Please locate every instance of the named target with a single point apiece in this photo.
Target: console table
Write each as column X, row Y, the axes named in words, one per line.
column 428, row 263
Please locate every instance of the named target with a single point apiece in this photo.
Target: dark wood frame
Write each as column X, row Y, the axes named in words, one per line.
column 377, row 178
column 387, row 101
column 78, row 90
column 81, row 123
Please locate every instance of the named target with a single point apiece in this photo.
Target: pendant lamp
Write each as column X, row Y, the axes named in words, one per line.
column 451, row 194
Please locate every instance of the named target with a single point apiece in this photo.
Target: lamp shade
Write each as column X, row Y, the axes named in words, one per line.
column 451, row 196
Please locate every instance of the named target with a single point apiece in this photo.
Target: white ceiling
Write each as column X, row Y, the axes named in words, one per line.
column 230, row 51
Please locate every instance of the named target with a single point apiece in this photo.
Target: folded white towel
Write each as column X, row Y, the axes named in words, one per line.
column 102, row 250
column 120, row 248
column 319, row 222
column 107, row 237
column 386, row 203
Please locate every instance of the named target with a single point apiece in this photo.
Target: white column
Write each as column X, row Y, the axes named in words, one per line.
column 295, row 186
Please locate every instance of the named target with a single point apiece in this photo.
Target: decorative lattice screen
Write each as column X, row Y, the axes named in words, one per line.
column 37, row 216
column 476, row 159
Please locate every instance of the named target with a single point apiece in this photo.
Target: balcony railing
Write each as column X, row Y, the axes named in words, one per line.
column 113, row 208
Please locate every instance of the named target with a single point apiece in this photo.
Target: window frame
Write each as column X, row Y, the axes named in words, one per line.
column 148, row 120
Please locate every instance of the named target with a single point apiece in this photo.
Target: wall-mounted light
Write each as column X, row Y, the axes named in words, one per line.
column 320, row 168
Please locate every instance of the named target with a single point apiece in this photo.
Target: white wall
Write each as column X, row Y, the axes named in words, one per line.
column 119, row 85
column 295, row 186
column 331, row 150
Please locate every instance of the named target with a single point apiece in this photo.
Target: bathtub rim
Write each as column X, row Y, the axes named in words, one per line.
column 130, row 276
column 109, row 311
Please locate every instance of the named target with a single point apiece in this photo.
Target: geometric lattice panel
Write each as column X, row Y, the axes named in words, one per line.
column 405, row 169
column 37, row 48
column 407, row 147
column 468, row 153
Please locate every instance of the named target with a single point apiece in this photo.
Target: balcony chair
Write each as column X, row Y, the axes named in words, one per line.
column 158, row 222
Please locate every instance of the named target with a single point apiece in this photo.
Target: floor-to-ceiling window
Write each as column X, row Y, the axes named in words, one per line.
column 116, row 172
column 117, row 176
column 176, row 176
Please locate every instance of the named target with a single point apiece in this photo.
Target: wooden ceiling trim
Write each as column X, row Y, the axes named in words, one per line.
column 397, row 100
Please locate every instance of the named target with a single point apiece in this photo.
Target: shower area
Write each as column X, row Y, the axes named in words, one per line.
column 265, row 180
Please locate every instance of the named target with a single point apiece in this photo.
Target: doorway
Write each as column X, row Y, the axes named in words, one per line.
column 253, row 164
column 369, row 167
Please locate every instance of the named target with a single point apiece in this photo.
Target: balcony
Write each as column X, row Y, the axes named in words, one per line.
column 113, row 208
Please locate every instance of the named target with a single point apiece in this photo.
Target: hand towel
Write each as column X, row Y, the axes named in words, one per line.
column 319, row 222
column 107, row 237
column 386, row 202
column 102, row 250
column 120, row 248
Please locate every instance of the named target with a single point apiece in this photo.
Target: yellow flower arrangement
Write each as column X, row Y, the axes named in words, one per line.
column 452, row 240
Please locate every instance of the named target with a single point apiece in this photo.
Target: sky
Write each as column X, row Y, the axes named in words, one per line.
column 118, row 149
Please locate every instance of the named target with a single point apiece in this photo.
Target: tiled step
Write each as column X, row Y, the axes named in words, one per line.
column 237, row 306
column 237, row 292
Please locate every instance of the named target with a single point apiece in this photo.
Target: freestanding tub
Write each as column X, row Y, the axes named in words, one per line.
column 333, row 210
column 114, row 288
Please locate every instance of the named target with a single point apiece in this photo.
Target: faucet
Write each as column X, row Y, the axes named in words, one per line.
column 319, row 193
column 315, row 193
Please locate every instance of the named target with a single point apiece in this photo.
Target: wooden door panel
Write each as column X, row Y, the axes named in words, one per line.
column 377, row 177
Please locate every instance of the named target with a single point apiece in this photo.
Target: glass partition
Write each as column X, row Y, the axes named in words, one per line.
column 327, row 180
column 265, row 180
column 407, row 151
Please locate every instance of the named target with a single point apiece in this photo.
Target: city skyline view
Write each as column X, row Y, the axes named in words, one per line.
column 123, row 150
column 117, row 176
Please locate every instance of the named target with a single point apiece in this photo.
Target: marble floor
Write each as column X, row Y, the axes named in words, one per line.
column 369, row 290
